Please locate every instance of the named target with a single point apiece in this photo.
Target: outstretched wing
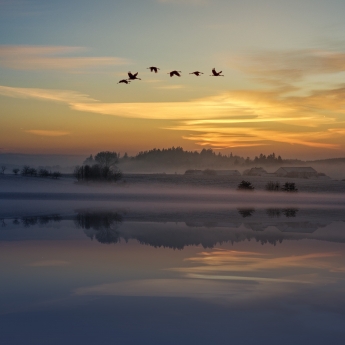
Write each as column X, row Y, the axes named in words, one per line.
column 214, row 71
column 130, row 75
column 135, row 74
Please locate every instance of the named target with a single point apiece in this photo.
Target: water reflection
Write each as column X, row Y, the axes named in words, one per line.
column 53, row 280
column 103, row 226
column 269, row 226
column 42, row 220
column 277, row 212
column 246, row 212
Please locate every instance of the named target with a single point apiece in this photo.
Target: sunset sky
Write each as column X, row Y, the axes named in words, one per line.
column 283, row 89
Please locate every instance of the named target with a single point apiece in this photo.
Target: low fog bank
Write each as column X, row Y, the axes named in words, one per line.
column 163, row 183
column 164, row 201
column 335, row 170
column 63, row 163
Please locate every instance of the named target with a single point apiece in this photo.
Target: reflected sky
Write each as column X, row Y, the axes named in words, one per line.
column 110, row 276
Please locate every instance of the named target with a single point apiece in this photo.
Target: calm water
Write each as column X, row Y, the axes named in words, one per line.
column 239, row 276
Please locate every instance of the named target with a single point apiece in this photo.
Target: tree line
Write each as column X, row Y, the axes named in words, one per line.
column 177, row 156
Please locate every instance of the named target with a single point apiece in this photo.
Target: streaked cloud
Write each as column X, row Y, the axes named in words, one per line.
column 64, row 96
column 52, row 58
column 231, row 119
column 243, row 118
column 290, row 65
column 47, row 133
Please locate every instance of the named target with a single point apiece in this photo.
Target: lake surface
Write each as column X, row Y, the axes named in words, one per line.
column 112, row 275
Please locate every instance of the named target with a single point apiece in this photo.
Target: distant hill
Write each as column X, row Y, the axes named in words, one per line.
column 329, row 161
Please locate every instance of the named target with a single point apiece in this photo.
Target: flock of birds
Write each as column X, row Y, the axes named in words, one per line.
column 134, row 76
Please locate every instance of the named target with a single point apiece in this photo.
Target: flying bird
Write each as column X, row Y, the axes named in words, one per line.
column 133, row 76
column 177, row 73
column 124, row 81
column 153, row 69
column 197, row 73
column 216, row 74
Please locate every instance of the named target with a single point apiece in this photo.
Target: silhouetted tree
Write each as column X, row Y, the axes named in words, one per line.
column 97, row 172
column 273, row 212
column 43, row 173
column 15, row 171
column 89, row 161
column 56, row 174
column 272, row 186
column 2, row 169
column 290, row 212
column 107, row 158
column 28, row 171
column 245, row 186
column 289, row 187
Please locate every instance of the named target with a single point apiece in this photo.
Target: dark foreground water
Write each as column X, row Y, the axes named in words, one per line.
column 239, row 276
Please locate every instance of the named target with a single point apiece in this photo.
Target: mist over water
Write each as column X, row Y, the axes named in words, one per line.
column 152, row 259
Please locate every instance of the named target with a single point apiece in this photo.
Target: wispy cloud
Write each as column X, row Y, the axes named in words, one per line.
column 52, row 58
column 291, row 65
column 239, row 119
column 64, row 96
column 231, row 119
column 47, row 133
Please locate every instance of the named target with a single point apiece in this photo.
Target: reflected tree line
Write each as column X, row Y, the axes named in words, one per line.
column 32, row 220
column 271, row 212
column 105, row 227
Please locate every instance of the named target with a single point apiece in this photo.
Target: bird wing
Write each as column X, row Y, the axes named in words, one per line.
column 130, row 75
column 214, row 71
column 135, row 74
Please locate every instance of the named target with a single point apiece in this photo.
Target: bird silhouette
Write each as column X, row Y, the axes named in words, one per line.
column 153, row 69
column 177, row 73
column 216, row 74
column 133, row 76
column 124, row 81
column 197, row 73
